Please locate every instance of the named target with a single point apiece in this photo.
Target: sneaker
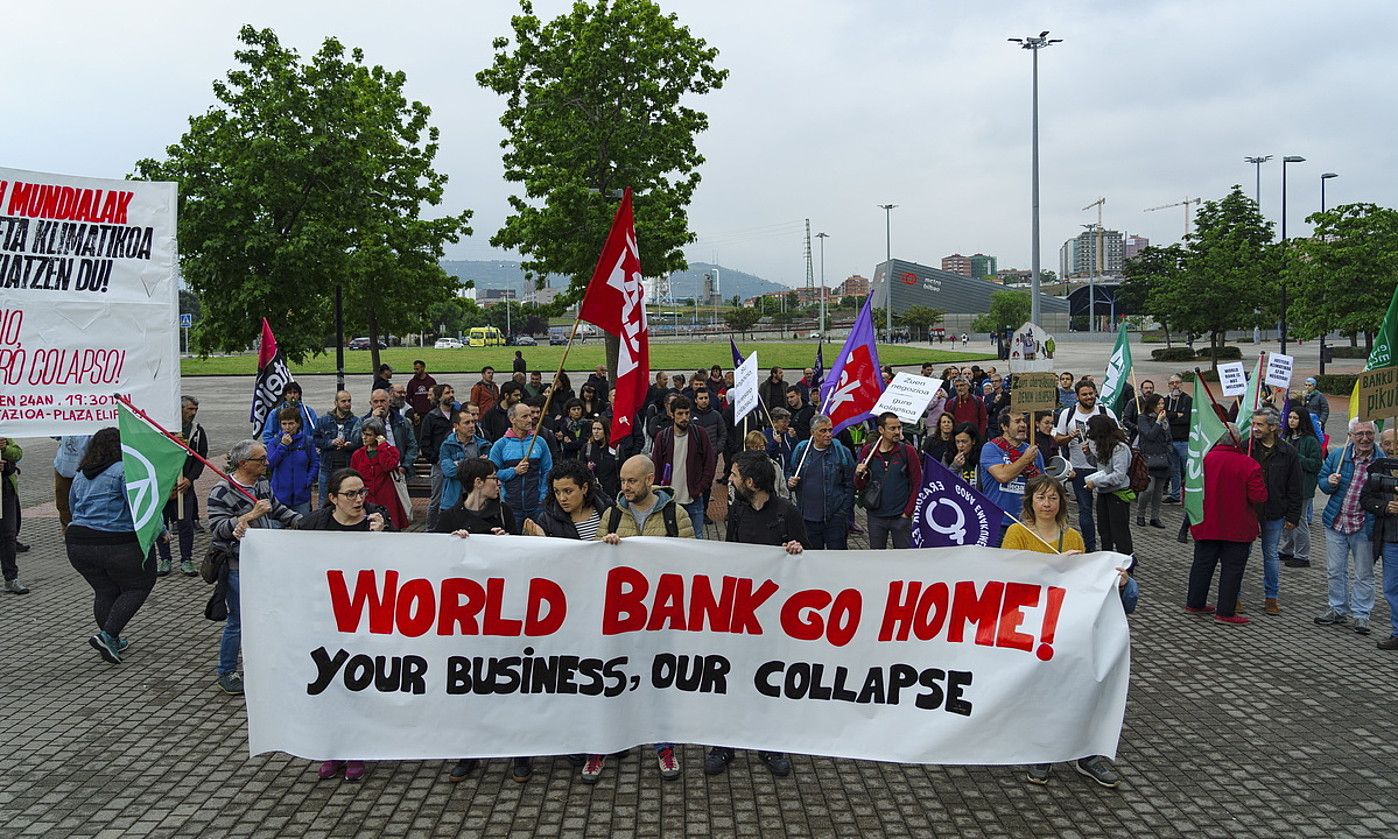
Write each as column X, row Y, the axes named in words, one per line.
column 187, row 568
column 856, row 530
column 162, row 569
column 16, row 587
column 122, row 644
column 20, row 547
column 354, row 770
column 1200, row 610
column 1140, row 521
column 717, row 760
column 592, row 768
column 1328, row 617
column 1389, row 643
column 1286, row 559
column 461, row 770
column 521, row 769
column 1157, row 523
column 1170, row 499
column 777, row 762
column 1235, row 620
column 1361, row 626
column 1296, row 563
column 1099, row 769
column 1271, row 607
column 669, row 763
column 329, row 769
column 107, row 646
column 1039, row 773
column 230, row 683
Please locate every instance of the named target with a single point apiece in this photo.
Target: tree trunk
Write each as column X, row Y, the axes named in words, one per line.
column 1368, row 342
column 1213, row 351
column 1354, row 340
column 373, row 324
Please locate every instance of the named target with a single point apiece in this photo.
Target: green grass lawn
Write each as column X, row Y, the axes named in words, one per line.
column 584, row 357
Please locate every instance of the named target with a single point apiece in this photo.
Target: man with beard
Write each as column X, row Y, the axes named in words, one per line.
column 686, row 459
column 1178, row 407
column 801, row 413
column 759, row 517
column 420, row 389
column 336, row 436
column 435, row 426
column 496, row 421
column 485, row 392
column 1070, row 433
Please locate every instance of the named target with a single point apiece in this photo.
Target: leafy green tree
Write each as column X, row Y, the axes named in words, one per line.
column 741, row 320
column 1007, row 308
column 921, row 319
column 1343, row 277
column 305, row 176
column 595, row 101
column 1151, row 277
column 784, row 318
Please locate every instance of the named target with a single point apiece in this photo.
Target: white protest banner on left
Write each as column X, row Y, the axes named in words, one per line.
column 908, row 396
column 1279, row 369
column 745, row 388
column 425, row 646
column 90, row 302
column 1233, row 378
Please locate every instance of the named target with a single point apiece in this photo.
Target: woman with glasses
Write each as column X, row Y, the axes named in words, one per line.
column 347, row 510
column 480, row 510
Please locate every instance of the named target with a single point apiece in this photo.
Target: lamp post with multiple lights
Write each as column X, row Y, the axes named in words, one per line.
column 1034, row 44
column 1290, row 158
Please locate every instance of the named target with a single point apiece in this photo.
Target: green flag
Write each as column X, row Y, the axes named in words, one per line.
column 1204, row 429
column 1251, row 398
column 152, row 463
column 1118, row 371
column 1382, row 354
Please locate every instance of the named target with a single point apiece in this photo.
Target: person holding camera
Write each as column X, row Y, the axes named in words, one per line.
column 1379, row 498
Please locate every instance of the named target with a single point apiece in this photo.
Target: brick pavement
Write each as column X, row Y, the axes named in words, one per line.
column 1280, row 728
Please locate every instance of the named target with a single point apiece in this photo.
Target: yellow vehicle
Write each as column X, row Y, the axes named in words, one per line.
column 485, row 336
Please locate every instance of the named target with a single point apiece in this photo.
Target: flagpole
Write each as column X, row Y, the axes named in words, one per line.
column 158, row 427
column 1257, row 391
column 810, row 441
column 543, row 412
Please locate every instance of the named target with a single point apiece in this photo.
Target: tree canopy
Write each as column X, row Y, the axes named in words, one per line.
column 920, row 318
column 1007, row 308
column 307, row 175
column 1342, row 278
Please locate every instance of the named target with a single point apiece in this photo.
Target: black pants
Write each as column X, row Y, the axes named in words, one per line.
column 1114, row 523
column 184, row 527
column 9, row 530
column 1209, row 553
column 120, row 581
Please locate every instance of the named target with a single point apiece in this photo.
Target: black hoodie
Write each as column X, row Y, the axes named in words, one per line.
column 492, row 515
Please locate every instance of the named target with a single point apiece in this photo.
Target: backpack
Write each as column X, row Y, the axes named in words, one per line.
column 672, row 525
column 1139, row 472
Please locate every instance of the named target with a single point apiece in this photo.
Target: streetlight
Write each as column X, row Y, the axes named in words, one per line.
column 1324, row 176
column 1034, row 45
column 1257, row 165
column 1290, row 158
column 888, row 270
column 822, row 237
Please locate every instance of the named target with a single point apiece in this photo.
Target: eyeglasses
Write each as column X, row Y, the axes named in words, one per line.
column 352, row 494
column 262, row 459
column 1362, row 433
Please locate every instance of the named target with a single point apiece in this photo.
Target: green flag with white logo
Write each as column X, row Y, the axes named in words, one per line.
column 1204, row 430
column 1385, row 342
column 1252, row 398
column 1118, row 371
column 152, row 463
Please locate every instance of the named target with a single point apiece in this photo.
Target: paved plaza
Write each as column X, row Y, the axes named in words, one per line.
column 1280, row 728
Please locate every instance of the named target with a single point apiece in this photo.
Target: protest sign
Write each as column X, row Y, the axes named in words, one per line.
column 1031, row 350
column 908, row 396
column 744, row 392
column 1034, row 392
column 91, row 303
column 1233, row 378
column 950, row 512
column 1279, row 369
column 1378, row 394
column 423, row 646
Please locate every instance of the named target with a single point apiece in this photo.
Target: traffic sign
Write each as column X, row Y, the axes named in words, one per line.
column 186, row 320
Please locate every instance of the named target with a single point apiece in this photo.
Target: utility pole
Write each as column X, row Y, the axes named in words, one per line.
column 1257, row 162
column 888, row 270
column 822, row 237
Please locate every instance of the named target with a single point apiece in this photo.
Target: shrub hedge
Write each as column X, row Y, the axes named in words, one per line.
column 1172, row 354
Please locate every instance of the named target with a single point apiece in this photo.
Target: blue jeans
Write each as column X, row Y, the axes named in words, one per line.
column 1271, row 557
column 1390, row 582
column 695, row 509
column 1085, row 502
column 1297, row 542
column 232, row 641
column 1338, row 547
column 828, row 535
column 1179, row 451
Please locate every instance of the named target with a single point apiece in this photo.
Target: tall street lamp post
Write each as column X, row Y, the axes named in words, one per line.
column 1034, row 45
column 1256, row 162
column 1290, row 158
column 1325, row 176
column 822, row 237
column 888, row 270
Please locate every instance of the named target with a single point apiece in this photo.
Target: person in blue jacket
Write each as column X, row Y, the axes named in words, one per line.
column 291, row 398
column 294, row 462
column 523, row 487
column 464, row 444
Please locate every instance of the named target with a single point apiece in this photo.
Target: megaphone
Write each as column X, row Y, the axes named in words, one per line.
column 1058, row 468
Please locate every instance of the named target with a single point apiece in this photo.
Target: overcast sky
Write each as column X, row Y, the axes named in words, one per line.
column 831, row 108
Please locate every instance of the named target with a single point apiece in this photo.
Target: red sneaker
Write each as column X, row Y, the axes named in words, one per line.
column 330, row 769
column 1202, row 610
column 354, row 770
column 1236, row 620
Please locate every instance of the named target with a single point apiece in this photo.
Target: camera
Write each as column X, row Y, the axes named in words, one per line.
column 1383, row 477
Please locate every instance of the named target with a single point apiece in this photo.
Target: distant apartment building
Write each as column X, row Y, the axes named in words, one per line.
column 1014, row 276
column 982, row 266
column 854, row 285
column 1135, row 243
column 540, row 296
column 1078, row 256
column 957, row 264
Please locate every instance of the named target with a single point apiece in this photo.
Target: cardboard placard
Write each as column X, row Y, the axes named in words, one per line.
column 1034, row 392
column 1234, row 378
column 908, row 396
column 745, row 388
column 1378, row 393
column 1279, row 369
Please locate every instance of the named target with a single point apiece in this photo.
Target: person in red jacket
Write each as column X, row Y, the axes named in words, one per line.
column 967, row 407
column 1234, row 492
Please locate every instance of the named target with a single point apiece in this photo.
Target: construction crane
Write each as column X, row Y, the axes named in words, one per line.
column 1185, row 203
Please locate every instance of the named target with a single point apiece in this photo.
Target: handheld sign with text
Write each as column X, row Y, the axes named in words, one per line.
column 907, row 396
column 1378, row 394
column 1279, row 370
column 745, row 388
column 1034, row 392
column 1234, row 378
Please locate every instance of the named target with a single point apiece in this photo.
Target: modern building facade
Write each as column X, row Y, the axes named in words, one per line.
column 1079, row 258
column 957, row 264
column 961, row 297
column 1135, row 243
column 855, row 285
column 982, row 266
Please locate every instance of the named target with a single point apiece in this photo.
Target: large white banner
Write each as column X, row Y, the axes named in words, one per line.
column 88, row 302
column 402, row 646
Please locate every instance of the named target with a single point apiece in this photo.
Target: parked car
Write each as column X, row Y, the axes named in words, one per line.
column 557, row 339
column 485, row 336
column 525, row 341
column 447, row 344
column 363, row 344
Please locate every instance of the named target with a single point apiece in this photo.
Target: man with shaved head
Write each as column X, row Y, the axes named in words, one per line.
column 336, row 436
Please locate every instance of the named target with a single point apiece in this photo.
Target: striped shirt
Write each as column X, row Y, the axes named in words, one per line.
column 587, row 529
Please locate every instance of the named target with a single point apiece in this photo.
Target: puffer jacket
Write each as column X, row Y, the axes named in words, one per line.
column 655, row 522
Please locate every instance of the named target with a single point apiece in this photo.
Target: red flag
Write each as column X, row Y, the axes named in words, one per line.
column 615, row 302
column 855, row 381
column 273, row 374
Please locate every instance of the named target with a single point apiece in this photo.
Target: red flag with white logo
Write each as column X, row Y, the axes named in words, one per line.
column 855, row 382
column 273, row 375
column 615, row 302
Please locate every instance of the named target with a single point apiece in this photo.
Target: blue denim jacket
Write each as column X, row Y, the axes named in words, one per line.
column 100, row 503
column 1341, row 460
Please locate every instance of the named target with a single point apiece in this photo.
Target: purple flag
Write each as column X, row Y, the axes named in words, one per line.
column 950, row 514
column 855, row 382
column 737, row 356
